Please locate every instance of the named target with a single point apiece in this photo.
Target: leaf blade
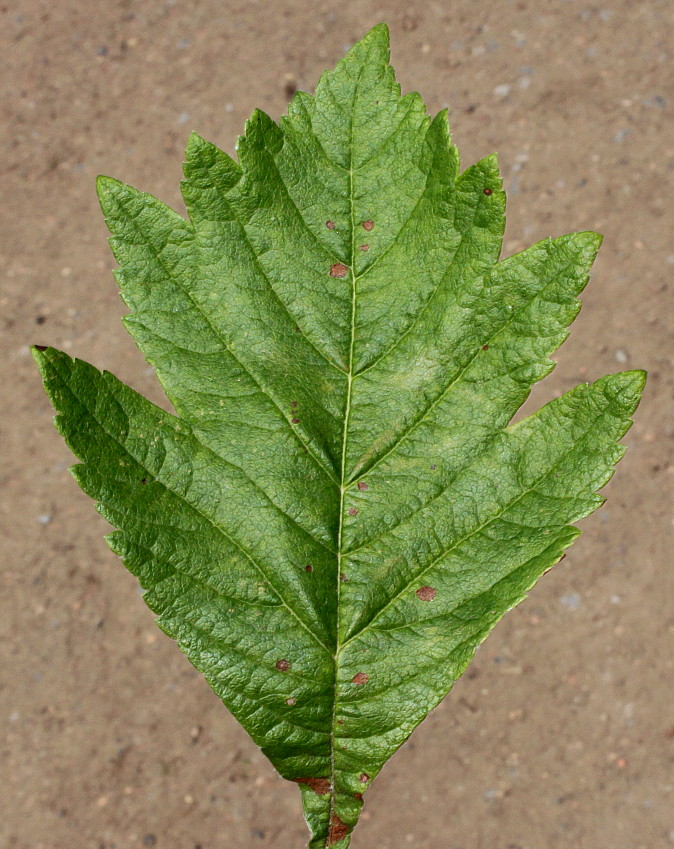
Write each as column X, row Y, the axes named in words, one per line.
column 340, row 511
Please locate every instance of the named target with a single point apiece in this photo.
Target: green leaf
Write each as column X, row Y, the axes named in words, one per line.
column 340, row 511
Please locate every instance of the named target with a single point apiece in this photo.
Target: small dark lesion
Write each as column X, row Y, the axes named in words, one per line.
column 338, row 830
column 321, row 786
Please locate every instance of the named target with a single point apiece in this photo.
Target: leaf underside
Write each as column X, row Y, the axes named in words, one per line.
column 340, row 511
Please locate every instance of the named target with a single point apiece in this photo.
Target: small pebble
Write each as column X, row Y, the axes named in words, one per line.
column 621, row 356
column 44, row 518
column 502, row 90
column 572, row 601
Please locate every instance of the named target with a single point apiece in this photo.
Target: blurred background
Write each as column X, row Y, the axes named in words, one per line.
column 561, row 733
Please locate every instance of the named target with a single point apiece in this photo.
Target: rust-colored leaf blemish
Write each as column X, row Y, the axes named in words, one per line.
column 338, row 830
column 363, row 778
column 343, row 578
column 364, row 247
column 487, row 191
column 318, row 785
column 360, row 678
column 426, row 593
column 340, row 722
column 295, row 420
column 143, row 480
column 368, row 225
column 283, row 665
column 485, row 347
column 362, row 486
column 309, row 568
column 358, row 796
column 330, row 225
column 338, row 270
column 353, row 511
column 40, row 347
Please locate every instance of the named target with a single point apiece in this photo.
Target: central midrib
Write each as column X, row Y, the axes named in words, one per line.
column 343, row 481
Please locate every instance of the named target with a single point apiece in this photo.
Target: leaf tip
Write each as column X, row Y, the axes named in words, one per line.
column 380, row 31
column 378, row 39
column 625, row 389
column 195, row 143
column 105, row 185
column 589, row 241
column 40, row 354
column 634, row 381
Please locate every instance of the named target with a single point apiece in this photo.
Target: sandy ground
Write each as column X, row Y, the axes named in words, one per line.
column 562, row 732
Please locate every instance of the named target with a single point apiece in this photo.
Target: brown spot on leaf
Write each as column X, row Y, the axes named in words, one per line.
column 343, row 578
column 358, row 796
column 309, row 568
column 362, row 486
column 368, row 225
column 338, row 270
column 318, row 785
column 143, row 480
column 295, row 420
column 363, row 778
column 433, row 467
column 353, row 511
column 487, row 191
column 340, row 722
column 330, row 225
column 364, row 247
column 283, row 665
column 338, row 830
column 290, row 701
column 485, row 347
column 360, row 678
column 426, row 593
column 293, row 403
column 40, row 347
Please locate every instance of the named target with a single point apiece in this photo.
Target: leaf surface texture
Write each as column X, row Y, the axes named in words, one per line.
column 339, row 511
